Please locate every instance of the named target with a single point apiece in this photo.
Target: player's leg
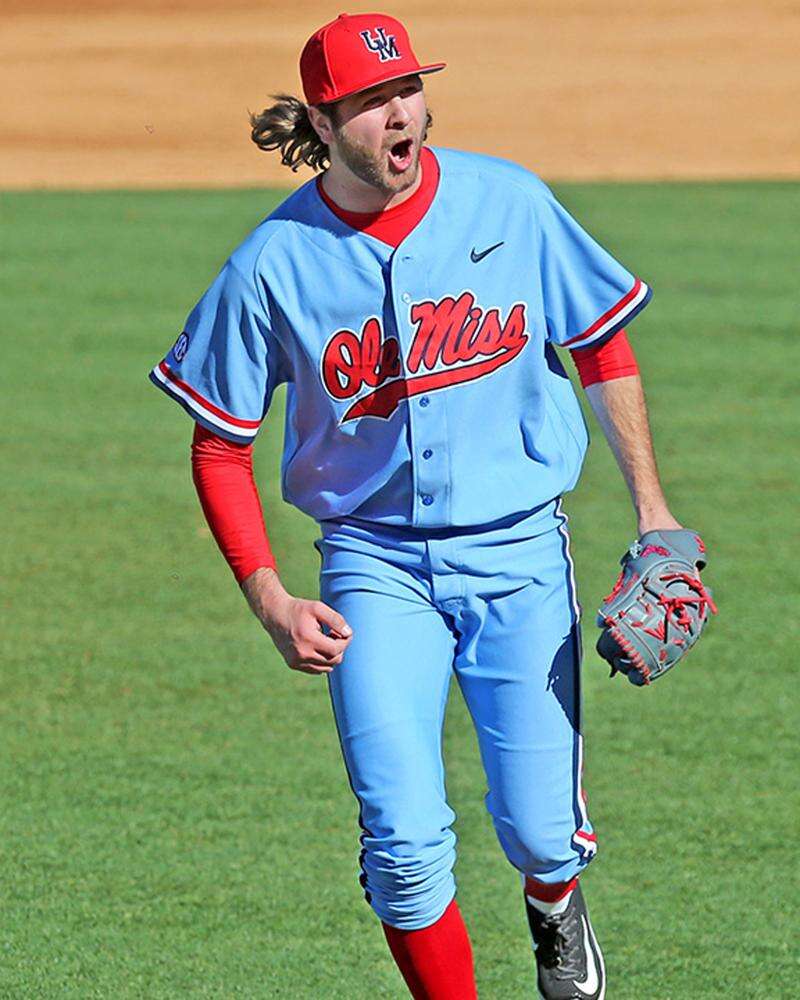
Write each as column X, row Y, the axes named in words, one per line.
column 518, row 664
column 389, row 697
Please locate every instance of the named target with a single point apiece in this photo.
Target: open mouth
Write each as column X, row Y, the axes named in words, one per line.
column 400, row 155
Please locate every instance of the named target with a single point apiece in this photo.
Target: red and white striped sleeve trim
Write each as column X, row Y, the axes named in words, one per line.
column 613, row 319
column 202, row 408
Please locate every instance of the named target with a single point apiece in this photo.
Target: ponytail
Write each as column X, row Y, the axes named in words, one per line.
column 286, row 126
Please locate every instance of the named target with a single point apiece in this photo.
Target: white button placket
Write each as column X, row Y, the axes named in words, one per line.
column 430, row 457
column 426, row 417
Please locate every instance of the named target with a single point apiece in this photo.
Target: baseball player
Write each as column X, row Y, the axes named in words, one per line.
column 411, row 298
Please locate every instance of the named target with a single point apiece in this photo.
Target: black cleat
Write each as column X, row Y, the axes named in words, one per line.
column 568, row 959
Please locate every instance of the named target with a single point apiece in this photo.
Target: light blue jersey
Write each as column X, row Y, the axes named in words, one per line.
column 423, row 389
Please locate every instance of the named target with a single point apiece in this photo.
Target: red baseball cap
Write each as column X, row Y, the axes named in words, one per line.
column 354, row 52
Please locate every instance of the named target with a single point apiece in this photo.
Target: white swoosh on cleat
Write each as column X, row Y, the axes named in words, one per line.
column 589, row 985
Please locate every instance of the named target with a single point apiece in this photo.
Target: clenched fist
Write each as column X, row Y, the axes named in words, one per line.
column 309, row 635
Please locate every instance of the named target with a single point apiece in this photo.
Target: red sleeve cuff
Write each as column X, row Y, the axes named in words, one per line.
column 612, row 359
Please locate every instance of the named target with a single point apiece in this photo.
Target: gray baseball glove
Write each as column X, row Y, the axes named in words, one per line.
column 658, row 607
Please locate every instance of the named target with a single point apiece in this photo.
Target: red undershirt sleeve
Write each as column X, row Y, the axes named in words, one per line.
column 613, row 359
column 223, row 476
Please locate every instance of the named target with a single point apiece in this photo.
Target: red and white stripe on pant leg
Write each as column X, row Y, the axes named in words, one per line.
column 584, row 838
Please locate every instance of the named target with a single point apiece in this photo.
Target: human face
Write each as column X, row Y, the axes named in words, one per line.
column 378, row 134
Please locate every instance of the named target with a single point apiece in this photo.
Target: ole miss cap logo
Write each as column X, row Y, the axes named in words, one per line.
column 354, row 52
column 385, row 45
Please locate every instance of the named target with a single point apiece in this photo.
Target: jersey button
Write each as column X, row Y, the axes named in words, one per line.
column 427, row 499
column 427, row 453
column 424, row 401
column 405, row 297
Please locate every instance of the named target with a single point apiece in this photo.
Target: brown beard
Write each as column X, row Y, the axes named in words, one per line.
column 367, row 168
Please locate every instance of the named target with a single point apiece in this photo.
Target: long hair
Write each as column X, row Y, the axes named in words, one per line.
column 286, row 126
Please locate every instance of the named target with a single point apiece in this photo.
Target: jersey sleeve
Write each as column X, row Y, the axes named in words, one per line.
column 224, row 366
column 588, row 295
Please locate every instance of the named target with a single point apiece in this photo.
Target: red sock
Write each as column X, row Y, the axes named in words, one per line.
column 436, row 961
column 552, row 897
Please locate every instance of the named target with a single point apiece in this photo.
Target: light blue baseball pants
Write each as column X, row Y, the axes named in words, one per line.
column 497, row 607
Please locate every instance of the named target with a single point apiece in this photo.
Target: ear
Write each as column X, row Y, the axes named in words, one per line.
column 321, row 124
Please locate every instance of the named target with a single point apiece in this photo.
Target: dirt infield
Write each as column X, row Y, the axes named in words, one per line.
column 155, row 94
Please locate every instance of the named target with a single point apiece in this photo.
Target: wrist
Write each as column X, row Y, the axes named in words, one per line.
column 656, row 519
column 265, row 594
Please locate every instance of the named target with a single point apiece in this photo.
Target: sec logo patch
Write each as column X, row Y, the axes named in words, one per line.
column 180, row 347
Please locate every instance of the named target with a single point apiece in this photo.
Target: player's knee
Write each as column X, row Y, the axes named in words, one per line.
column 409, row 884
column 533, row 846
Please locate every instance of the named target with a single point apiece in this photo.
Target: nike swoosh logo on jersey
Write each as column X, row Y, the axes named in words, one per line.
column 476, row 257
column 589, row 985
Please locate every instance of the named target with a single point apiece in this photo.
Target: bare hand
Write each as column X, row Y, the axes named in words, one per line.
column 296, row 625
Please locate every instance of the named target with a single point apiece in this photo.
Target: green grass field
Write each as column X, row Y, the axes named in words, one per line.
column 176, row 820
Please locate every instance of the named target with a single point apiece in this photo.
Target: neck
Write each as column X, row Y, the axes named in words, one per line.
column 354, row 195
